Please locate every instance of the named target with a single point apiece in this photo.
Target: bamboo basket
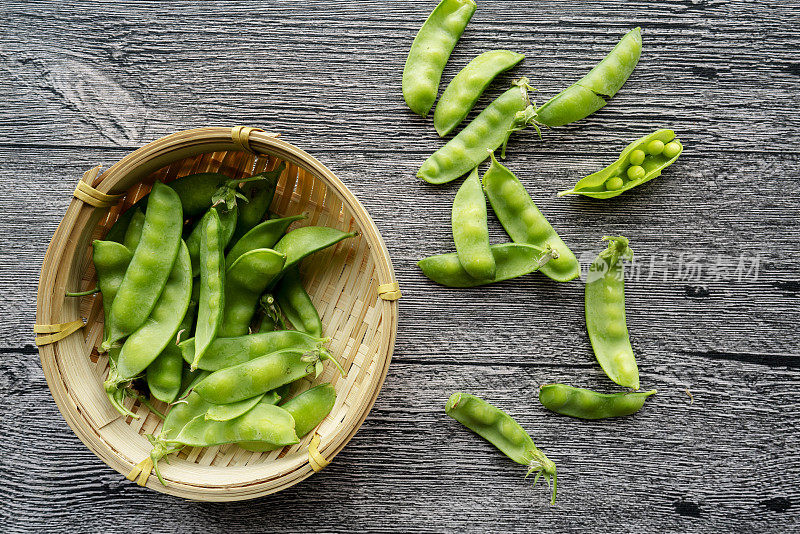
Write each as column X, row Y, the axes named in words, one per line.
column 352, row 286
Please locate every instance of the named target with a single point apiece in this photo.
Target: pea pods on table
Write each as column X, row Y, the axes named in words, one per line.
column 226, row 352
column 111, row 260
column 227, row 220
column 587, row 95
column 430, row 51
column 468, row 85
column 488, row 131
column 150, row 265
column 588, row 404
column 640, row 162
column 511, row 260
column 471, row 230
column 502, row 431
column 245, row 280
column 259, row 195
column 260, row 375
column 307, row 240
column 212, row 286
column 525, row 223
column 265, row 235
column 605, row 313
column 296, row 305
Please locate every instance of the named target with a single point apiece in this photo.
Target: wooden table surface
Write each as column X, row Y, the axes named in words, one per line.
column 713, row 308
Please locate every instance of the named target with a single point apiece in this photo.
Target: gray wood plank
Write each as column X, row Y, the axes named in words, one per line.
column 86, row 83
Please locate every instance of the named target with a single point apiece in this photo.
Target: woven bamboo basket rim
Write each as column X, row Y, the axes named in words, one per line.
column 66, row 261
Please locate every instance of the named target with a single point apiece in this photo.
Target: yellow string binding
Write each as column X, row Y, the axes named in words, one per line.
column 88, row 194
column 390, row 291
column 56, row 332
column 315, row 458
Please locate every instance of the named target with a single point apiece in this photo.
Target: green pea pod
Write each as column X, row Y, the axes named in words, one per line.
column 525, row 223
column 265, row 235
column 605, row 313
column 512, row 260
column 245, row 280
column 430, row 50
column 165, row 373
column 134, row 232
column 226, row 352
column 190, row 379
column 150, row 265
column 227, row 220
column 146, row 343
column 588, row 404
column 226, row 412
column 468, row 85
column 117, row 231
column 307, row 409
column 260, row 375
column 296, row 305
column 471, row 230
column 488, row 131
column 300, row 243
column 652, row 154
column 212, row 286
column 587, row 95
column 502, row 431
column 111, row 260
column 259, row 195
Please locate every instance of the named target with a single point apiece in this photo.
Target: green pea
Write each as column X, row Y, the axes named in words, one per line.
column 525, row 223
column 587, row 404
column 309, row 408
column 467, row 86
column 111, row 260
column 655, row 147
column 265, row 235
column 134, row 232
column 471, row 231
column 488, row 131
column 502, row 431
column 635, row 172
column 605, row 289
column 259, row 195
column 227, row 220
column 511, row 260
column 307, row 240
column 296, row 305
column 614, row 183
column 150, row 265
column 672, row 149
column 430, row 51
column 637, row 157
column 226, row 412
column 165, row 373
column 245, row 280
column 210, row 312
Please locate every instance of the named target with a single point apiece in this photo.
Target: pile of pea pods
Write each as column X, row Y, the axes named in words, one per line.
column 535, row 245
column 200, row 287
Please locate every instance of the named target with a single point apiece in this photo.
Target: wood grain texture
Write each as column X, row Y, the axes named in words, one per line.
column 84, row 84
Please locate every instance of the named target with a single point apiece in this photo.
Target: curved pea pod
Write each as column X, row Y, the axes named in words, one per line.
column 165, row 373
column 488, row 131
column 588, row 404
column 150, row 265
column 468, row 85
column 308, row 409
column 226, row 412
column 296, row 305
column 471, row 230
column 511, row 259
column 110, row 259
column 134, row 231
column 307, row 240
column 212, row 286
column 259, row 195
column 265, row 235
column 502, row 431
column 260, row 375
column 245, row 280
column 117, row 231
column 229, row 351
column 605, row 313
column 657, row 151
column 525, row 223
column 146, row 343
column 587, row 95
column 430, row 51
column 227, row 220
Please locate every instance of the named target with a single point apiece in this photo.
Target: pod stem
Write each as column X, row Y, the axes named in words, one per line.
column 522, row 120
column 149, row 405
column 81, row 293
column 543, row 466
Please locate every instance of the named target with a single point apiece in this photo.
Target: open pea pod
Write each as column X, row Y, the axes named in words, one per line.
column 641, row 161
